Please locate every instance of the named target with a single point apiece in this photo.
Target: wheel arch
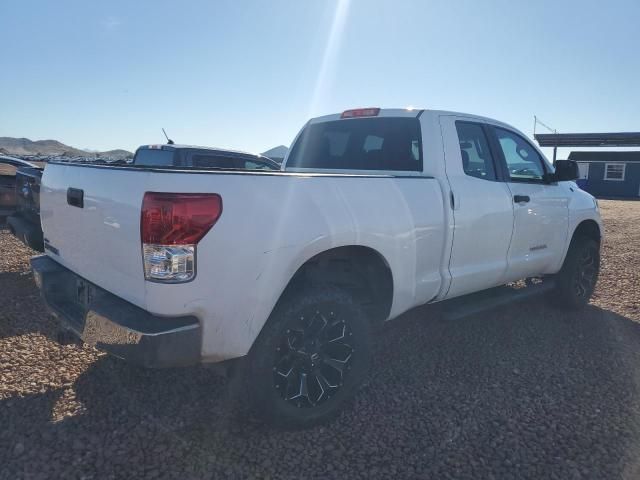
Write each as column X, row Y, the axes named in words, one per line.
column 587, row 229
column 359, row 269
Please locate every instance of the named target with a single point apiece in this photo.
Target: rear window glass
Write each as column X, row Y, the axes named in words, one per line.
column 154, row 158
column 477, row 160
column 360, row 144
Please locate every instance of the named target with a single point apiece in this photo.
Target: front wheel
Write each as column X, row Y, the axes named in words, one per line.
column 579, row 274
column 311, row 357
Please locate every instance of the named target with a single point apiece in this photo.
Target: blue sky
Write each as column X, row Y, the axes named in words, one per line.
column 248, row 74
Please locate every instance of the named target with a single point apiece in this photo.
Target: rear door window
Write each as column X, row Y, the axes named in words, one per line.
column 214, row 161
column 381, row 143
column 477, row 160
column 204, row 160
column 249, row 165
column 154, row 158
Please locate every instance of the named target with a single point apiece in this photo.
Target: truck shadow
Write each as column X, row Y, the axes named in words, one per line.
column 526, row 390
column 21, row 309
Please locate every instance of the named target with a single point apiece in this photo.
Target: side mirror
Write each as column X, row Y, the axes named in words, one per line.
column 566, row 170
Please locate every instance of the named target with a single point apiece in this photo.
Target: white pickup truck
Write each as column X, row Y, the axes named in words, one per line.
column 375, row 211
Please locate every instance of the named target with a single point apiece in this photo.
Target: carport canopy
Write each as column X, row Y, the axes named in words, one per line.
column 618, row 139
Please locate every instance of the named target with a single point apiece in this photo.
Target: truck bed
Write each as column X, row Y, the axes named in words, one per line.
column 271, row 223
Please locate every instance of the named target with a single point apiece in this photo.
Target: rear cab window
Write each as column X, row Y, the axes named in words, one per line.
column 380, row 143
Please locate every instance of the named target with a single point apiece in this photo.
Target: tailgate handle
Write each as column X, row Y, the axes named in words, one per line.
column 75, row 197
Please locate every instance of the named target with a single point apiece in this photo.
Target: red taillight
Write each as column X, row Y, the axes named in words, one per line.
column 360, row 112
column 178, row 218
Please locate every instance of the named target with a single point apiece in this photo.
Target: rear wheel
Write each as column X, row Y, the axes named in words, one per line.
column 310, row 358
column 579, row 274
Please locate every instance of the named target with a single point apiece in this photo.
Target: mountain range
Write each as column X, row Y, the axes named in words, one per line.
column 53, row 148
column 50, row 148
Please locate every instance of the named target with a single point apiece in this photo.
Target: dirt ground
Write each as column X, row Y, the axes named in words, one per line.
column 525, row 391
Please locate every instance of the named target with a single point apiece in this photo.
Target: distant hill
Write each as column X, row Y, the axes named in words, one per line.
column 51, row 148
column 118, row 153
column 277, row 153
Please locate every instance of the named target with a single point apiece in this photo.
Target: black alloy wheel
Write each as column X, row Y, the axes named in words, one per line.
column 310, row 358
column 577, row 279
column 586, row 273
column 313, row 359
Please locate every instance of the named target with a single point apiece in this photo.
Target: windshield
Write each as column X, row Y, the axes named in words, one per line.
column 360, row 144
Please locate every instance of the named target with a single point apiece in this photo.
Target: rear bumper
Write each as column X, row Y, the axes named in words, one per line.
column 28, row 232
column 112, row 324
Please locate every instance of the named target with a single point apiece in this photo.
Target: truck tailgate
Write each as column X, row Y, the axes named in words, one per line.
column 97, row 235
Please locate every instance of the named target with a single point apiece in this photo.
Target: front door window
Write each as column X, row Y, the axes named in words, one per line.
column 524, row 163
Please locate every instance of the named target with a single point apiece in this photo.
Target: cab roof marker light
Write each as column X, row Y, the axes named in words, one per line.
column 361, row 112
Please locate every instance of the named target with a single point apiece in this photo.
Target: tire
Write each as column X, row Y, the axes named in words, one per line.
column 310, row 358
column 577, row 279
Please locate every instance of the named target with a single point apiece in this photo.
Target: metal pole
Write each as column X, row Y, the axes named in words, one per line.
column 555, row 150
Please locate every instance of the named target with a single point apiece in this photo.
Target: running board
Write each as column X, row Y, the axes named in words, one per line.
column 479, row 302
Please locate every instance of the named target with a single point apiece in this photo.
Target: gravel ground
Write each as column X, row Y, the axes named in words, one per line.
column 521, row 392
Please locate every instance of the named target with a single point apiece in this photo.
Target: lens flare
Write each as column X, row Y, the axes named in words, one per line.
column 327, row 67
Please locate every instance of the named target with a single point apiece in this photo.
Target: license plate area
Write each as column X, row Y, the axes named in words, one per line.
column 84, row 294
column 71, row 296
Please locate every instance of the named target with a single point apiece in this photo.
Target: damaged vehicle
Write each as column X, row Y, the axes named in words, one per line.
column 189, row 156
column 289, row 273
column 20, row 199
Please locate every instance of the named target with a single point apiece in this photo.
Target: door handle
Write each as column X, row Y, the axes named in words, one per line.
column 521, row 198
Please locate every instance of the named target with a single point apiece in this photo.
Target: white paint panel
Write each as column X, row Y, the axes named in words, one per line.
column 483, row 219
column 540, row 229
column 270, row 225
